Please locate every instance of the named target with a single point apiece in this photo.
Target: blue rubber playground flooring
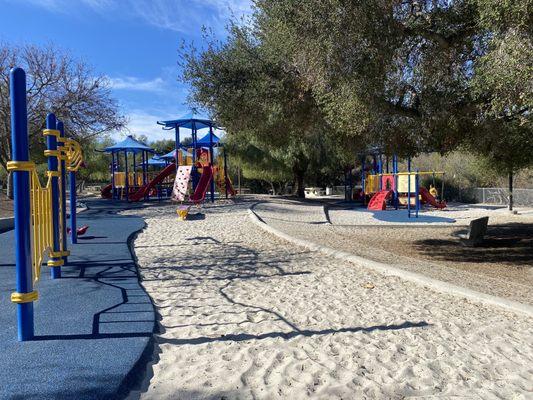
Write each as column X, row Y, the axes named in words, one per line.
column 93, row 326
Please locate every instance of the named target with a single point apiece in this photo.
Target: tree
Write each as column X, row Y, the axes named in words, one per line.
column 60, row 84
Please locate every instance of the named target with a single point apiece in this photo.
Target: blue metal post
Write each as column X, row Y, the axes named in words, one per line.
column 177, row 134
column 194, row 172
column 417, row 192
column 409, row 187
column 63, row 188
column 21, row 189
column 211, row 156
column 113, row 175
column 127, row 182
column 51, row 143
column 73, row 229
column 395, row 172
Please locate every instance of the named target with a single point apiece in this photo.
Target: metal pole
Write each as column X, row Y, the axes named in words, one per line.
column 63, row 188
column 212, row 185
column 395, row 172
column 112, row 175
column 51, row 142
column 73, row 230
column 409, row 187
column 417, row 192
column 22, row 207
column 127, row 183
column 194, row 171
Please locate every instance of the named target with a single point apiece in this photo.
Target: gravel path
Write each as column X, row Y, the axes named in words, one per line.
column 244, row 315
column 405, row 247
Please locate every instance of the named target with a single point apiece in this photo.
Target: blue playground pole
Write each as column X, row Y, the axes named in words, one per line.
column 211, row 156
column 21, row 189
column 409, row 187
column 61, row 129
column 417, row 191
column 73, row 230
column 51, row 143
column 127, row 177
column 113, row 175
column 194, row 172
column 395, row 171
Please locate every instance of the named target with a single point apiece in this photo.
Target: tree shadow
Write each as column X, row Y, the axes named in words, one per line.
column 503, row 244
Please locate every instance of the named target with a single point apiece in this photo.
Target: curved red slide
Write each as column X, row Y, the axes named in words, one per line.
column 201, row 189
column 106, row 191
column 378, row 201
column 144, row 190
column 428, row 198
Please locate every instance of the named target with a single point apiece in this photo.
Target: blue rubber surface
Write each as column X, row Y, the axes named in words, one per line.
column 93, row 326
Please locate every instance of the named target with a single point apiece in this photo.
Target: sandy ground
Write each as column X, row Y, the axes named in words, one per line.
column 503, row 267
column 244, row 315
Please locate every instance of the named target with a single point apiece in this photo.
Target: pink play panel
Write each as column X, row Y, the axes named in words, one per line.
column 181, row 182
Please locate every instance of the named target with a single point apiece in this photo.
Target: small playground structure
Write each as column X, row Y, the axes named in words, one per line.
column 382, row 185
column 40, row 211
column 205, row 158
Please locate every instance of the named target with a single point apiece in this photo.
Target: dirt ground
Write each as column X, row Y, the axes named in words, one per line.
column 6, row 206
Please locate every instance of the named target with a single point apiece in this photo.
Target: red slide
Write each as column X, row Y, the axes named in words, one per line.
column 106, row 191
column 428, row 198
column 144, row 190
column 201, row 189
column 378, row 201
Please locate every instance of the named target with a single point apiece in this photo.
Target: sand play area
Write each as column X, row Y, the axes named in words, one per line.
column 247, row 315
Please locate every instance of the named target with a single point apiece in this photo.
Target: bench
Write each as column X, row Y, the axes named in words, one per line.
column 476, row 232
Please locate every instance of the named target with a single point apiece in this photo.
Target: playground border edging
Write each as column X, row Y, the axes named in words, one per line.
column 389, row 270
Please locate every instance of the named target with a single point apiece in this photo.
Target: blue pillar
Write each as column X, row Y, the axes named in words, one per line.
column 63, row 188
column 126, row 174
column 409, row 187
column 73, row 228
column 395, row 172
column 51, row 143
column 112, row 175
column 21, row 189
column 211, row 156
column 177, row 135
column 417, row 192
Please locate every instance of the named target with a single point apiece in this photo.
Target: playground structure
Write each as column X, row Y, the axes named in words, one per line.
column 400, row 188
column 137, row 185
column 40, row 211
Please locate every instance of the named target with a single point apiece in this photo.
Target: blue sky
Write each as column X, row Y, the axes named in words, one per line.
column 133, row 42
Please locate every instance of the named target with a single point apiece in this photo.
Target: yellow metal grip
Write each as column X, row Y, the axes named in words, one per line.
column 24, row 297
column 51, row 132
column 20, row 166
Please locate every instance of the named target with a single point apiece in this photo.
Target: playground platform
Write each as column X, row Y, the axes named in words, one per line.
column 93, row 327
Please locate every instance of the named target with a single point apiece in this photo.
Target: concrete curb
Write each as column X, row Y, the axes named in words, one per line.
column 389, row 270
column 7, row 223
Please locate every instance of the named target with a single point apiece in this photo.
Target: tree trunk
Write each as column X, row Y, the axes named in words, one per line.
column 511, row 190
column 9, row 188
column 299, row 184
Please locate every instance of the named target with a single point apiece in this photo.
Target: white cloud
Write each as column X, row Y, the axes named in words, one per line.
column 136, row 84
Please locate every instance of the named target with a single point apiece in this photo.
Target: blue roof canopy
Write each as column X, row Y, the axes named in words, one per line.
column 188, row 123
column 205, row 141
column 130, row 145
